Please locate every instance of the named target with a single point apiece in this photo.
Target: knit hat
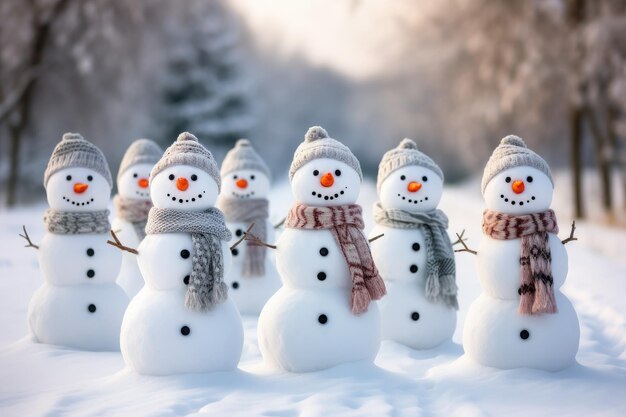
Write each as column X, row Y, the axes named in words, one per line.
column 141, row 151
column 406, row 154
column 75, row 151
column 188, row 151
column 512, row 152
column 243, row 156
column 318, row 145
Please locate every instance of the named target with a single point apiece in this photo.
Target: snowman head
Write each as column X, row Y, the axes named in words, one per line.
column 408, row 179
column 244, row 174
column 77, row 177
column 186, row 177
column 517, row 180
column 324, row 172
column 134, row 173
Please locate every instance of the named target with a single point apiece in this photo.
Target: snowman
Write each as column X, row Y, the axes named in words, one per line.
column 415, row 257
column 182, row 320
column 245, row 187
column 324, row 314
column 132, row 204
column 521, row 320
column 79, row 305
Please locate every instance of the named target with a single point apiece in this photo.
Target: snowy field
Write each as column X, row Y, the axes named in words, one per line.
column 40, row 380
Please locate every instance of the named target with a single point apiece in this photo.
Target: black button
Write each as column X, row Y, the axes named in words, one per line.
column 415, row 316
column 524, row 334
column 321, row 276
column 519, row 291
column 416, row 246
column 238, row 232
column 323, row 251
column 91, row 273
column 186, row 280
column 184, row 254
column 185, row 330
column 92, row 308
column 413, row 268
column 323, row 319
column 235, row 285
column 235, row 252
column 90, row 252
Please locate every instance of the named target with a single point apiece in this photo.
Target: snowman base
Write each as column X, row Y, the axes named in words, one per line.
column 251, row 293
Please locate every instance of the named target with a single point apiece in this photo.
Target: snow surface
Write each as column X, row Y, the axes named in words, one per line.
column 38, row 379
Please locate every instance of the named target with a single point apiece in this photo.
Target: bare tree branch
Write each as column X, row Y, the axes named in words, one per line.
column 465, row 248
column 376, row 237
column 119, row 245
column 25, row 236
column 571, row 234
column 243, row 237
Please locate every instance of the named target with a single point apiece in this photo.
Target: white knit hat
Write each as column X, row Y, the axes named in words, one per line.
column 243, row 156
column 405, row 154
column 141, row 151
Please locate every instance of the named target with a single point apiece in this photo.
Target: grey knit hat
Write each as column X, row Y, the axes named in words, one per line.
column 318, row 145
column 188, row 151
column 75, row 151
column 405, row 154
column 243, row 156
column 512, row 152
column 141, row 151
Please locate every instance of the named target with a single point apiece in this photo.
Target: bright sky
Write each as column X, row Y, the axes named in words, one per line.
column 352, row 36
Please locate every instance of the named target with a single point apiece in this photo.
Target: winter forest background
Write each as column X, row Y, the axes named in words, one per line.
column 456, row 75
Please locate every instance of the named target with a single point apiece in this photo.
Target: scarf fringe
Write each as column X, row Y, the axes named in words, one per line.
column 544, row 300
column 360, row 299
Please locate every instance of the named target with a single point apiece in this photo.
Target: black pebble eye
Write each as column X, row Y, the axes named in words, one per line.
column 69, row 178
column 322, row 319
column 403, row 177
column 135, row 175
column 251, row 177
column 507, row 179
column 524, row 334
column 316, row 173
column 194, row 177
column 337, row 172
column 424, row 178
column 185, row 330
column 89, row 178
column 172, row 177
column 529, row 179
column 234, row 177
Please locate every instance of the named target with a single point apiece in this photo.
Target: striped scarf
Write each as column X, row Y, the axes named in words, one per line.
column 537, row 292
column 133, row 211
column 346, row 225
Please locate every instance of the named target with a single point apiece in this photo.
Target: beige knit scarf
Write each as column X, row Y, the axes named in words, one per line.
column 536, row 286
column 346, row 225
column 134, row 211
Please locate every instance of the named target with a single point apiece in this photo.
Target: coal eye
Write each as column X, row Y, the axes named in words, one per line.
column 316, row 173
column 69, row 178
column 234, row 177
column 507, row 179
column 89, row 178
column 424, row 178
column 135, row 175
column 337, row 172
column 402, row 177
column 251, row 177
column 194, row 177
column 172, row 177
column 529, row 179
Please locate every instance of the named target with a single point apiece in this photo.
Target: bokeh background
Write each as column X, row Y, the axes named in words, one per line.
column 456, row 75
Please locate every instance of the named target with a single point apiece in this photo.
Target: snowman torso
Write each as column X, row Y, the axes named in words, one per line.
column 129, row 278
column 400, row 254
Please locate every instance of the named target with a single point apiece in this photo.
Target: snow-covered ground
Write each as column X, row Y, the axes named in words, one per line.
column 45, row 380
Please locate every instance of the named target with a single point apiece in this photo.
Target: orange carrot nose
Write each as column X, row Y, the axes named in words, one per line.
column 518, row 186
column 143, row 183
column 327, row 180
column 414, row 187
column 242, row 183
column 80, row 188
column 182, row 184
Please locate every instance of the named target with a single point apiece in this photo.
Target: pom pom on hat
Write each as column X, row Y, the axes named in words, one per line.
column 315, row 133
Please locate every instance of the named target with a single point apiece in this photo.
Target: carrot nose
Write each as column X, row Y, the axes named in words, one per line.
column 143, row 183
column 414, row 187
column 518, row 186
column 80, row 188
column 327, row 180
column 182, row 184
column 242, row 183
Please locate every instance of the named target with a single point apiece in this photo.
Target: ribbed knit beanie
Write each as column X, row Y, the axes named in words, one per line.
column 141, row 151
column 243, row 156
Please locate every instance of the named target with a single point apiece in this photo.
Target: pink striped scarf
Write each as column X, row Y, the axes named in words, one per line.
column 537, row 292
column 346, row 225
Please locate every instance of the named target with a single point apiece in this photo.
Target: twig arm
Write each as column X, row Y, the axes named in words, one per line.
column 571, row 236
column 280, row 223
column 254, row 239
column 465, row 248
column 242, row 238
column 460, row 238
column 376, row 237
column 116, row 242
column 29, row 242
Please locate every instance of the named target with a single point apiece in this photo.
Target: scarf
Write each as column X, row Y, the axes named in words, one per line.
column 253, row 210
column 346, row 225
column 133, row 211
column 76, row 223
column 440, row 285
column 537, row 293
column 206, row 282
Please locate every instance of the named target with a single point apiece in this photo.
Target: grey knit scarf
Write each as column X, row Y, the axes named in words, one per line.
column 206, row 282
column 248, row 211
column 76, row 223
column 440, row 266
column 133, row 211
